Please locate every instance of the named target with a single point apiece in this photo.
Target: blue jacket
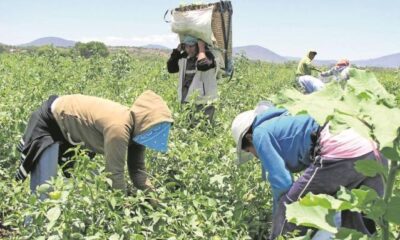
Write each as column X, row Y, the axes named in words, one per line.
column 282, row 143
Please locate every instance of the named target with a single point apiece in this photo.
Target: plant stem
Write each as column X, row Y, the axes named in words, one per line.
column 388, row 193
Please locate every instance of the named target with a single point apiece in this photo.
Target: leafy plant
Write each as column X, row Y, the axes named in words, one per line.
column 201, row 192
column 364, row 105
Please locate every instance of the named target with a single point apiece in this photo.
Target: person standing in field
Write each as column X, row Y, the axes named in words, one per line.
column 197, row 74
column 100, row 125
column 304, row 76
column 288, row 144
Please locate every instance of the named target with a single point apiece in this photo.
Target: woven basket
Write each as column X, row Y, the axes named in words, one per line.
column 221, row 21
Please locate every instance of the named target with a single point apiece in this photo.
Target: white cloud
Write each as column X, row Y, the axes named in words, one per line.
column 168, row 40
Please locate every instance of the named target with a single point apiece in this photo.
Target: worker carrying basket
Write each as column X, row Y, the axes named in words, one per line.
column 212, row 23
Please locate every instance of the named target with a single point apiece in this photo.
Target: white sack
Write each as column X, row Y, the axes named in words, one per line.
column 196, row 23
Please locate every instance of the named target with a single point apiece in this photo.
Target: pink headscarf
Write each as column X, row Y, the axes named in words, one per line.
column 343, row 62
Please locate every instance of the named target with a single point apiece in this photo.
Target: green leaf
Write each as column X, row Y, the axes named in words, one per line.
column 370, row 168
column 350, row 234
column 325, row 201
column 54, row 237
column 115, row 236
column 377, row 210
column 113, row 202
column 44, row 188
column 363, row 197
column 219, row 179
column 344, row 194
column 393, row 210
column 315, row 216
column 362, row 104
column 54, row 213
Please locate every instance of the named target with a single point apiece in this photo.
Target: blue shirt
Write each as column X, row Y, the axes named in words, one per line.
column 282, row 143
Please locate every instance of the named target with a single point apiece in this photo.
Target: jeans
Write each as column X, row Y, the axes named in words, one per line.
column 45, row 168
column 310, row 84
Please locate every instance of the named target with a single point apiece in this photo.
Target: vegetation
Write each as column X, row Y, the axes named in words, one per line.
column 201, row 192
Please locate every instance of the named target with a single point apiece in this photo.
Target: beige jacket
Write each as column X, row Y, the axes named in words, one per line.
column 204, row 84
column 107, row 127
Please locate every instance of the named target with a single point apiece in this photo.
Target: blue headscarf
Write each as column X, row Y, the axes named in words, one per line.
column 189, row 40
column 155, row 137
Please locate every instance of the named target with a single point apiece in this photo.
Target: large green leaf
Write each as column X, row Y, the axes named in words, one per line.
column 370, row 168
column 362, row 104
column 350, row 234
column 325, row 201
column 54, row 213
column 363, row 198
column 311, row 216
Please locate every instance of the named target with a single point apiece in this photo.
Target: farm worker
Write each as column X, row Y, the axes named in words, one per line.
column 339, row 72
column 103, row 126
column 197, row 73
column 288, row 144
column 303, row 74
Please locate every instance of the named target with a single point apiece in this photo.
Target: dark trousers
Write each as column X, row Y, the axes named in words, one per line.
column 325, row 177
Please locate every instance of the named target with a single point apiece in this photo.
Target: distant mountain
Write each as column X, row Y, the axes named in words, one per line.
column 255, row 52
column 155, row 46
column 55, row 41
column 389, row 61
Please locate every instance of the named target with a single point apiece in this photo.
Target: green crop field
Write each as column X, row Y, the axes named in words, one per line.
column 202, row 194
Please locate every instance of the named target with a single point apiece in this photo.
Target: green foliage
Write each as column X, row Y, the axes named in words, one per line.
column 371, row 168
column 91, row 49
column 364, row 105
column 2, row 49
column 202, row 194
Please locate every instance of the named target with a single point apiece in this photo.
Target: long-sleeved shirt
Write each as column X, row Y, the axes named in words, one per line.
column 338, row 72
column 204, row 64
column 107, row 127
column 282, row 143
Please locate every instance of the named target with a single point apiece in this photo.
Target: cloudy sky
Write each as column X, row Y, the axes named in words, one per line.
column 356, row 29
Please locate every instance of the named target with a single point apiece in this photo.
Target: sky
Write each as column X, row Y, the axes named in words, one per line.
column 355, row 29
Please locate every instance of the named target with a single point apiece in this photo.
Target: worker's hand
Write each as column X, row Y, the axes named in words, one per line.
column 180, row 47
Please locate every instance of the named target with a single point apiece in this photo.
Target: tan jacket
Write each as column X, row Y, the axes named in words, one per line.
column 107, row 127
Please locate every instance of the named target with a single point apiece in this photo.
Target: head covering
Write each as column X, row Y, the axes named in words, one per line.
column 149, row 109
column 343, row 63
column 311, row 52
column 241, row 124
column 156, row 137
column 189, row 40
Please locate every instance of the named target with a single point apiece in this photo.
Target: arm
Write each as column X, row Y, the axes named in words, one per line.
column 205, row 59
column 328, row 73
column 172, row 63
column 206, row 63
column 116, row 139
column 137, row 168
column 312, row 67
column 279, row 177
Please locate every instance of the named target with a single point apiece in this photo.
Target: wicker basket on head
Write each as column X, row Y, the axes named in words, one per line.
column 221, row 24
